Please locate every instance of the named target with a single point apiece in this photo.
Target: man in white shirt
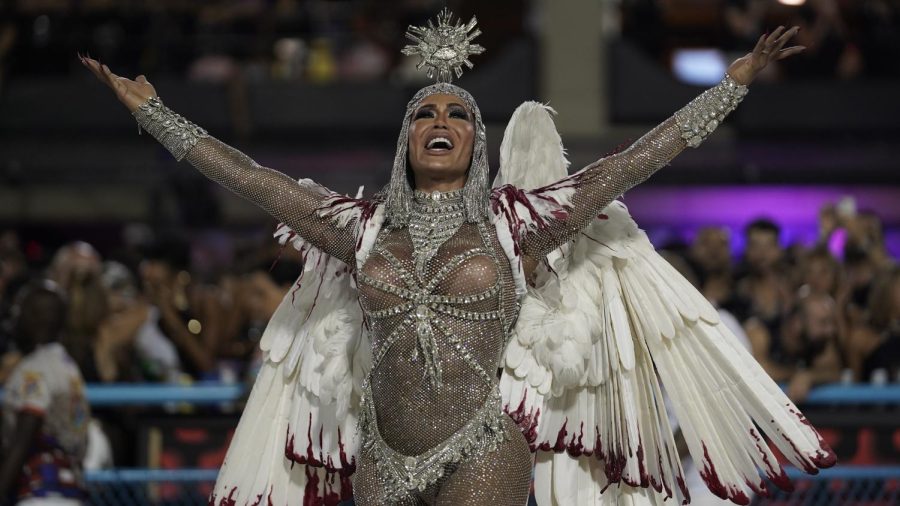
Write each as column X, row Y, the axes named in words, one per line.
column 45, row 413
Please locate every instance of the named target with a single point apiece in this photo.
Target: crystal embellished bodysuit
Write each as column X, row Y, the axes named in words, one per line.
column 439, row 320
column 439, row 300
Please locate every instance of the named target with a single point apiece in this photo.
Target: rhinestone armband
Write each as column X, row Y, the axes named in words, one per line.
column 173, row 131
column 702, row 115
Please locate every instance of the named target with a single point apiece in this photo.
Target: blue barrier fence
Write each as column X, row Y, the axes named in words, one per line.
column 198, row 475
column 150, row 487
column 125, row 394
column 867, row 486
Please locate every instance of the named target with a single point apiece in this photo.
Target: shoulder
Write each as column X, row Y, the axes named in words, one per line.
column 38, row 360
column 362, row 217
column 344, row 210
column 341, row 210
column 531, row 209
column 27, row 385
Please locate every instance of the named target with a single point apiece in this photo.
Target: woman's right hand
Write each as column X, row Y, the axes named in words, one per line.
column 131, row 93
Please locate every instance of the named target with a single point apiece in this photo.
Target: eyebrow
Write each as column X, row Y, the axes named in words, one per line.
column 433, row 106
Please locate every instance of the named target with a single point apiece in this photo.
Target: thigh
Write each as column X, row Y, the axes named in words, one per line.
column 367, row 489
column 497, row 478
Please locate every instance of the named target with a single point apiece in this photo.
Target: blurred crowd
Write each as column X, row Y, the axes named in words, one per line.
column 824, row 313
column 142, row 315
column 149, row 313
column 844, row 38
column 314, row 41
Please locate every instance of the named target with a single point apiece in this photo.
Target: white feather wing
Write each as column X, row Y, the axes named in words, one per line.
column 296, row 440
column 594, row 343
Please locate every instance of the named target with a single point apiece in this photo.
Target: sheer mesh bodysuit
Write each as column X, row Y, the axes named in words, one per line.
column 467, row 296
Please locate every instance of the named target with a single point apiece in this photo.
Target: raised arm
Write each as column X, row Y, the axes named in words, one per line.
column 600, row 183
column 294, row 204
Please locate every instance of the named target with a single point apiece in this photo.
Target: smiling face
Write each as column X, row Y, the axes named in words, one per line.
column 441, row 136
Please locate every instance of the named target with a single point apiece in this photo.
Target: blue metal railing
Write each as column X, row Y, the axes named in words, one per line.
column 126, row 394
column 150, row 475
column 199, row 475
column 149, row 394
column 837, row 486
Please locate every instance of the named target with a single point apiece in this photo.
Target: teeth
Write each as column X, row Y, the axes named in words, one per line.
column 436, row 140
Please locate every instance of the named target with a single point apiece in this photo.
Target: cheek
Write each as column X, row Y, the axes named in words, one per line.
column 410, row 139
column 468, row 136
column 413, row 134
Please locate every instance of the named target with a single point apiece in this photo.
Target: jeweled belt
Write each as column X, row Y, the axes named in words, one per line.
column 402, row 474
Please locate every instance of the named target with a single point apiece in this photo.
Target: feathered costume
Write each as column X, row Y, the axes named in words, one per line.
column 381, row 364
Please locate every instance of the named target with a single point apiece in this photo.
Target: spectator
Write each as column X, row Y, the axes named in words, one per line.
column 805, row 350
column 710, row 253
column 875, row 345
column 76, row 268
column 189, row 313
column 45, row 414
column 745, row 20
column 825, row 35
column 130, row 338
column 763, row 290
column 820, row 273
column 866, row 232
column 258, row 296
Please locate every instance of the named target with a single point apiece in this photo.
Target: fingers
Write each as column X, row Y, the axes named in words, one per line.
column 109, row 75
column 781, row 41
column 89, row 63
column 103, row 73
column 790, row 51
column 770, row 40
column 770, row 46
column 111, row 79
column 760, row 45
column 95, row 68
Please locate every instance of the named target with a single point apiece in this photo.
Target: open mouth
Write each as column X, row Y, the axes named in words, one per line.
column 439, row 144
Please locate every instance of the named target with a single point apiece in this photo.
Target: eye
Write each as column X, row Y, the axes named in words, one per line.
column 459, row 113
column 423, row 113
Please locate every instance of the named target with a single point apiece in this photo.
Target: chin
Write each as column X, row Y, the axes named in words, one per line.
column 440, row 170
column 443, row 173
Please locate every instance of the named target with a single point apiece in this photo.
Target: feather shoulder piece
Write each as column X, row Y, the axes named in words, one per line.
column 607, row 328
column 296, row 441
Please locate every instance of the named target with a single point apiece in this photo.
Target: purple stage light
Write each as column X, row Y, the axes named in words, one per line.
column 675, row 213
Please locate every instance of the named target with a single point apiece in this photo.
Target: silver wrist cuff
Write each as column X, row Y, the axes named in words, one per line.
column 173, row 131
column 702, row 115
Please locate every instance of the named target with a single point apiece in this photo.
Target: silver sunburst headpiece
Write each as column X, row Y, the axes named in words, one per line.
column 445, row 47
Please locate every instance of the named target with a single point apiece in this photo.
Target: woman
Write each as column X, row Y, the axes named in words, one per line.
column 439, row 285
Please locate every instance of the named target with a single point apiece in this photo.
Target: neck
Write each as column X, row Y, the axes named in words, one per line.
column 428, row 185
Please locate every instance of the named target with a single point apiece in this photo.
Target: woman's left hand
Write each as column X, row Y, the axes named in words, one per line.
column 769, row 48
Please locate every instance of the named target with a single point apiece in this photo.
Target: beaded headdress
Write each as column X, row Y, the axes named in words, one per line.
column 444, row 48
